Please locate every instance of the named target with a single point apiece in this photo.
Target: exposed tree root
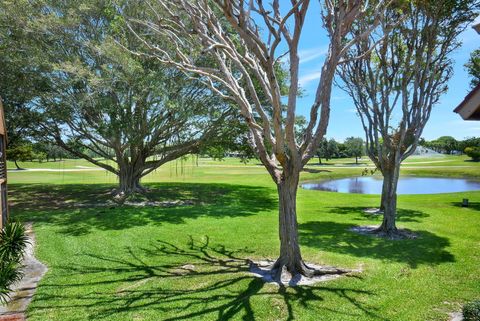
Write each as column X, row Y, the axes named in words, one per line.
column 120, row 195
column 373, row 211
column 391, row 234
column 302, row 274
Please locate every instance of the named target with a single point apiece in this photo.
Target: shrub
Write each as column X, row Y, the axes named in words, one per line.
column 471, row 311
column 12, row 246
column 473, row 152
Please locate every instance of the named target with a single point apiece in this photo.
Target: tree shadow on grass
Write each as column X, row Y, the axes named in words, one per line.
column 471, row 205
column 77, row 209
column 428, row 248
column 403, row 215
column 199, row 281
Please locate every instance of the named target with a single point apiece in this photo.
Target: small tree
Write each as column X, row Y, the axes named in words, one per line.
column 469, row 142
column 247, row 64
column 327, row 149
column 20, row 153
column 396, row 86
column 473, row 152
column 354, row 146
column 447, row 144
column 322, row 150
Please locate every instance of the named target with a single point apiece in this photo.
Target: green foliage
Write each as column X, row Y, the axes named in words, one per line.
column 40, row 156
column 473, row 67
column 473, row 152
column 448, row 144
column 328, row 149
column 21, row 153
column 354, row 146
column 22, row 64
column 471, row 311
column 12, row 246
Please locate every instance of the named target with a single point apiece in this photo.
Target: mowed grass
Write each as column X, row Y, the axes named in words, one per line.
column 188, row 262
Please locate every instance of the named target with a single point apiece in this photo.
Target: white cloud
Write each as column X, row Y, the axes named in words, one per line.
column 305, row 79
column 307, row 55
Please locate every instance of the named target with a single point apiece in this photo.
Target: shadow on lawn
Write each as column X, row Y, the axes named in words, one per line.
column 428, row 248
column 403, row 215
column 471, row 205
column 198, row 281
column 77, row 209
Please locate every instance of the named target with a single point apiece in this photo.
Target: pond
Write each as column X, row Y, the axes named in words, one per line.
column 406, row 185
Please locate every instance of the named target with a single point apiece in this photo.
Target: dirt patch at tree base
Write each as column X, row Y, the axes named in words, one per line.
column 372, row 230
column 262, row 269
column 139, row 204
column 456, row 316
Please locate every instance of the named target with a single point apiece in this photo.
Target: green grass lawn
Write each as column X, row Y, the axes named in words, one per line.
column 188, row 262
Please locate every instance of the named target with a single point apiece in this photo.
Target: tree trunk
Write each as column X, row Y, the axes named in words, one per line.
column 319, row 160
column 389, row 201
column 290, row 262
column 18, row 167
column 290, row 255
column 382, row 202
column 129, row 182
column 356, row 160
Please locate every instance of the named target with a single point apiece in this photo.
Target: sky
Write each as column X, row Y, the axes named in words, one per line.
column 344, row 121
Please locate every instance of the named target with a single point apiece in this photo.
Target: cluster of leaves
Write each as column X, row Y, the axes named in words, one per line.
column 23, row 66
column 473, row 67
column 473, row 152
column 13, row 242
column 471, row 311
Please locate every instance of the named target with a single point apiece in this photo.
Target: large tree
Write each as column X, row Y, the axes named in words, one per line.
column 122, row 112
column 248, row 40
column 396, row 86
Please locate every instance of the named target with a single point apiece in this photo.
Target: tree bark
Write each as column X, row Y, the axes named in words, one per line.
column 382, row 202
column 129, row 182
column 290, row 255
column 18, row 167
column 290, row 259
column 389, row 201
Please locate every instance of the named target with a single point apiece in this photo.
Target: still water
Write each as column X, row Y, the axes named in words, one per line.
column 406, row 185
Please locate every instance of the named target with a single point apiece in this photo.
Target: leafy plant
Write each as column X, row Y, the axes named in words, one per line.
column 473, row 152
column 471, row 311
column 12, row 247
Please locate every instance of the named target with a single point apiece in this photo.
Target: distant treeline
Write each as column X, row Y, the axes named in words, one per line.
column 449, row 145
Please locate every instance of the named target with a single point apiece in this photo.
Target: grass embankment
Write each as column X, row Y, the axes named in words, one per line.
column 187, row 262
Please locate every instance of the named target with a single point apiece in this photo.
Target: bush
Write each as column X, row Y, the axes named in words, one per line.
column 471, row 311
column 473, row 152
column 12, row 246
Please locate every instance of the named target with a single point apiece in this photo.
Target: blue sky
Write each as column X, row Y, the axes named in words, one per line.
column 344, row 122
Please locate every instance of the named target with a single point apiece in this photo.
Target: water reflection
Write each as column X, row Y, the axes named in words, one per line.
column 406, row 185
